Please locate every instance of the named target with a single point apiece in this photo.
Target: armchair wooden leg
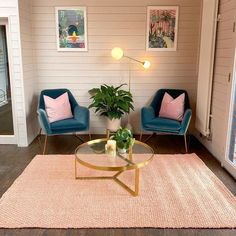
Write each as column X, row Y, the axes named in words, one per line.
column 141, row 134
column 185, row 143
column 77, row 136
column 39, row 138
column 45, row 144
column 150, row 136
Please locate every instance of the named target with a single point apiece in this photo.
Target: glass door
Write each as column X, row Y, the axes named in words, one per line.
column 230, row 158
column 232, row 143
column 6, row 118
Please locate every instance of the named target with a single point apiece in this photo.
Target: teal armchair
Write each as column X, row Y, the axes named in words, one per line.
column 150, row 120
column 79, row 122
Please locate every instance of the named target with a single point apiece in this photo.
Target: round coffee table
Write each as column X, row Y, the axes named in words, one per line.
column 92, row 155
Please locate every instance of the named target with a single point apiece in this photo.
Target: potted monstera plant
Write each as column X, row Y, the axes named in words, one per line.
column 111, row 102
column 124, row 139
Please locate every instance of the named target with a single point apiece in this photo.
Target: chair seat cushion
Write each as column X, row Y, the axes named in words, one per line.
column 163, row 125
column 67, row 125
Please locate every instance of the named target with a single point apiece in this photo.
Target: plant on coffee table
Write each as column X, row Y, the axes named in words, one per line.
column 124, row 139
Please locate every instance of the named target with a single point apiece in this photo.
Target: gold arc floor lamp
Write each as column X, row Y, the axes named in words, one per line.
column 117, row 53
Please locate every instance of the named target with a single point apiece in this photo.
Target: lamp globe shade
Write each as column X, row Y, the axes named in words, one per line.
column 146, row 64
column 117, row 53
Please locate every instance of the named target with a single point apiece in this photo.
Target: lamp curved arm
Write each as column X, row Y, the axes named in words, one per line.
column 133, row 59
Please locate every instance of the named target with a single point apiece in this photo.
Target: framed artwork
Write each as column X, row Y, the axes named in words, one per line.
column 162, row 28
column 71, row 27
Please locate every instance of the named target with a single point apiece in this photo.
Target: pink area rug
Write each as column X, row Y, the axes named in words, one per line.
column 176, row 191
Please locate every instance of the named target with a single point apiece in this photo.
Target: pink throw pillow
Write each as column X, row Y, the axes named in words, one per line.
column 58, row 108
column 172, row 108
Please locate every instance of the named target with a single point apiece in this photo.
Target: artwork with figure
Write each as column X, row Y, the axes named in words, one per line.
column 162, row 28
column 71, row 29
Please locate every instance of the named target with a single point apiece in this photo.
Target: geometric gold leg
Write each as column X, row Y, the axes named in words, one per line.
column 75, row 169
column 137, row 174
column 134, row 192
column 89, row 177
column 108, row 133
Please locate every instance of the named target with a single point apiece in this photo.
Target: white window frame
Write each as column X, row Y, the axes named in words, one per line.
column 9, row 139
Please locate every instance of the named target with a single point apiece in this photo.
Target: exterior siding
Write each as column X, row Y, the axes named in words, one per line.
column 224, row 60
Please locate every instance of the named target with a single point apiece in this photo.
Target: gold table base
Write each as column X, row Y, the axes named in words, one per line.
column 134, row 192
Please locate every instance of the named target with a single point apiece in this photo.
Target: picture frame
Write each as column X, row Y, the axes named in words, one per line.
column 71, row 28
column 162, row 28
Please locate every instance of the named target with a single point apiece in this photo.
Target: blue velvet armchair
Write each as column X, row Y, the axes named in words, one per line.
column 79, row 122
column 150, row 120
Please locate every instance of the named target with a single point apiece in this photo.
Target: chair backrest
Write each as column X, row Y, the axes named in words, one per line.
column 54, row 93
column 156, row 102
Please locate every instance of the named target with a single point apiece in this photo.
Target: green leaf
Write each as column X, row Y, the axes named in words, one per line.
column 111, row 101
column 93, row 91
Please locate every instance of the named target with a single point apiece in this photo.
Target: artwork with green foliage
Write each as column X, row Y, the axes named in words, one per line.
column 112, row 102
column 162, row 28
column 71, row 29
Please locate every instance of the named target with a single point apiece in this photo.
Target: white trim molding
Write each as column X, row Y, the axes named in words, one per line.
column 206, row 66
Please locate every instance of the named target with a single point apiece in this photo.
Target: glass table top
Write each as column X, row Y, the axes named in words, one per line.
column 92, row 154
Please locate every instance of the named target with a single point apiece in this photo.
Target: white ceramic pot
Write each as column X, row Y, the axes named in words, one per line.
column 122, row 150
column 113, row 124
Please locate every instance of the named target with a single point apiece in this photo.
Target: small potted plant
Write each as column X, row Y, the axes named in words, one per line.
column 111, row 102
column 124, row 139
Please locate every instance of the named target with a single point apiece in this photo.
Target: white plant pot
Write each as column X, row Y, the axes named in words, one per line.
column 122, row 150
column 114, row 124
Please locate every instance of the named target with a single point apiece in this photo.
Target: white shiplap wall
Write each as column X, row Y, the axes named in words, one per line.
column 29, row 69
column 225, row 49
column 116, row 23
column 9, row 10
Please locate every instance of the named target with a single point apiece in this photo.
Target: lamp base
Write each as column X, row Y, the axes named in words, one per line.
column 129, row 126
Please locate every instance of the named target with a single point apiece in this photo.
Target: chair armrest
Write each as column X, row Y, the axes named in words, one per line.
column 147, row 114
column 43, row 120
column 186, row 121
column 81, row 114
